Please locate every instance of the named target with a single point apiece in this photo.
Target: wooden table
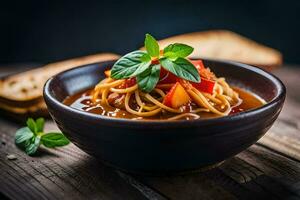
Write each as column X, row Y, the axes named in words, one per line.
column 268, row 169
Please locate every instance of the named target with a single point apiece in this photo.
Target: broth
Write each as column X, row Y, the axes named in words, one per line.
column 82, row 101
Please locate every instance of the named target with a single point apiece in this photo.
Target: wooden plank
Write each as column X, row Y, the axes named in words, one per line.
column 290, row 77
column 253, row 174
column 64, row 173
column 284, row 136
column 148, row 192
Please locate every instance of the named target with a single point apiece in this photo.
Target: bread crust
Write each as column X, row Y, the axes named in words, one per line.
column 21, row 93
column 227, row 45
column 27, row 87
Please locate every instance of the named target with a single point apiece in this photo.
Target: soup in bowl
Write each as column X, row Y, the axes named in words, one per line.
column 173, row 126
column 172, row 98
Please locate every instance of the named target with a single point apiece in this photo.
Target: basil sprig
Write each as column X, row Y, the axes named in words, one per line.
column 149, row 78
column 146, row 65
column 181, row 68
column 177, row 50
column 152, row 46
column 31, row 137
column 130, row 65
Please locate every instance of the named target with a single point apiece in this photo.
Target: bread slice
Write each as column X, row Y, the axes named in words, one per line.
column 27, row 87
column 21, row 94
column 37, row 107
column 226, row 45
column 21, row 114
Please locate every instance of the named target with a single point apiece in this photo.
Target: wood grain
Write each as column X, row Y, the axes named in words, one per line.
column 284, row 136
column 65, row 173
column 253, row 174
column 270, row 169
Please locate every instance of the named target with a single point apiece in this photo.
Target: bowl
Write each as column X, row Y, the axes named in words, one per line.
column 159, row 146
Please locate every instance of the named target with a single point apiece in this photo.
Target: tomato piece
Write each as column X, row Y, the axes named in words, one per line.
column 198, row 64
column 155, row 61
column 205, row 86
column 176, row 97
column 130, row 82
column 204, row 72
column 167, row 77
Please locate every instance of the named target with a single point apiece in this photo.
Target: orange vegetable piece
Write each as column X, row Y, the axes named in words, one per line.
column 176, row 97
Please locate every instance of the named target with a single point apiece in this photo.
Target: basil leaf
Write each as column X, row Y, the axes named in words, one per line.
column 181, row 68
column 178, row 50
column 23, row 134
column 32, row 147
column 54, row 140
column 149, row 78
column 40, row 124
column 130, row 65
column 151, row 45
column 31, row 125
column 146, row 58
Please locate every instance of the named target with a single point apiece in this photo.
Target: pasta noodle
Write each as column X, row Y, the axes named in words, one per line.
column 220, row 102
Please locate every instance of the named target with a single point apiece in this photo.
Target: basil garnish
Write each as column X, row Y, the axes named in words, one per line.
column 131, row 65
column 149, row 78
column 181, row 68
column 145, row 65
column 177, row 50
column 152, row 46
column 29, row 138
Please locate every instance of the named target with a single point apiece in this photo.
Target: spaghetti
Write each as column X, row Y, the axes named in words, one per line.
column 125, row 94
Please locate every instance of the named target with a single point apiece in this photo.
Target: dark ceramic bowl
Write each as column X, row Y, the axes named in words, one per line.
column 164, row 146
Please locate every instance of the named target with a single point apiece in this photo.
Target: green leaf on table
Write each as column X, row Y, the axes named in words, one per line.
column 33, row 145
column 149, row 78
column 40, row 124
column 181, row 68
column 29, row 138
column 32, row 125
column 151, row 46
column 23, row 134
column 130, row 65
column 54, row 140
column 177, row 50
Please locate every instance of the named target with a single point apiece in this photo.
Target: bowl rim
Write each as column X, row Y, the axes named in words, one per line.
column 280, row 96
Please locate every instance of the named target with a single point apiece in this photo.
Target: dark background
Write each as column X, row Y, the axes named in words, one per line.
column 46, row 31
